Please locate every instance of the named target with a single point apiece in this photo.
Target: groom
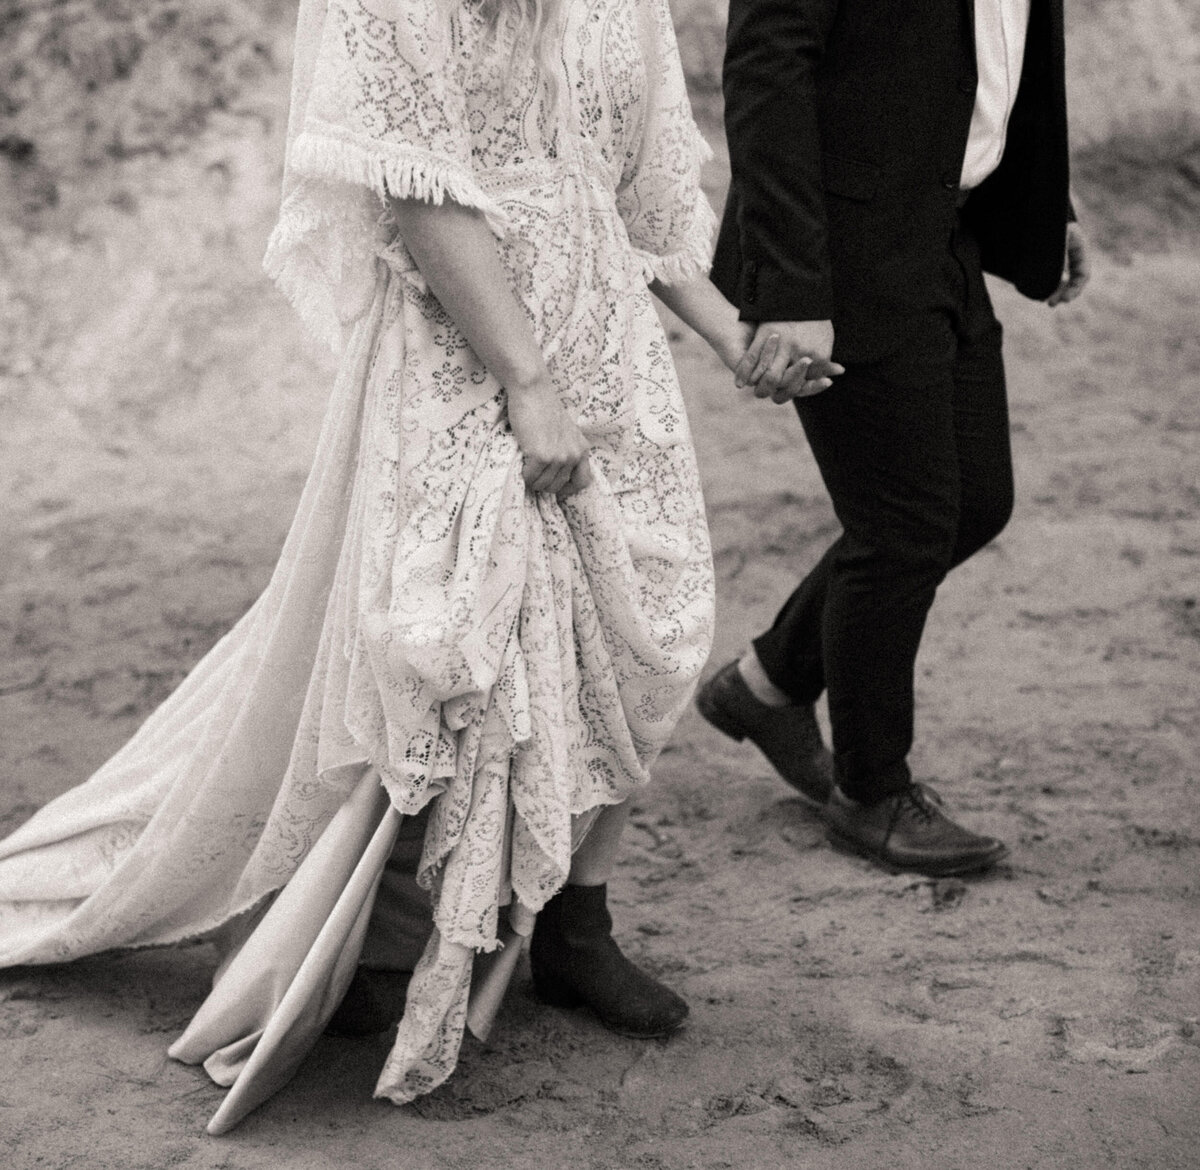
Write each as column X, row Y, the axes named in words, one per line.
column 884, row 154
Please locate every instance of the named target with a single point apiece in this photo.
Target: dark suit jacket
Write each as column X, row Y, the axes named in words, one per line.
column 847, row 124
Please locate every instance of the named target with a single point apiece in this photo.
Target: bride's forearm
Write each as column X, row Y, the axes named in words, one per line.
column 698, row 303
column 456, row 253
column 454, row 249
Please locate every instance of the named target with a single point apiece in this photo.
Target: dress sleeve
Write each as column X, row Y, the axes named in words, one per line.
column 387, row 106
column 379, row 108
column 668, row 217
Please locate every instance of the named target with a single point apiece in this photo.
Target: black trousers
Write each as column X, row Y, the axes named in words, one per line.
column 914, row 451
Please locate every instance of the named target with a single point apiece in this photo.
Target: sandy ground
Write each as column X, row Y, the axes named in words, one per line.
column 159, row 407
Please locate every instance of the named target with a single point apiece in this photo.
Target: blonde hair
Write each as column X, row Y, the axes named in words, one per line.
column 534, row 17
column 533, row 27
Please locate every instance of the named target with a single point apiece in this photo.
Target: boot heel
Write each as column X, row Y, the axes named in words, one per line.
column 718, row 718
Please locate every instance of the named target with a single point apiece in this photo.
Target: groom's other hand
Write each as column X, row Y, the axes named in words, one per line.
column 789, row 359
column 1077, row 267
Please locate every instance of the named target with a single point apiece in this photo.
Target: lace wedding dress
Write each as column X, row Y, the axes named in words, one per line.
column 434, row 636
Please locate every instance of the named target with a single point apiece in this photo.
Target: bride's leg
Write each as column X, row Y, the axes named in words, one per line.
column 574, row 958
column 596, row 857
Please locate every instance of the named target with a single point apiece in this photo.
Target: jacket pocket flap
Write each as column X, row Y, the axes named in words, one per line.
column 848, row 178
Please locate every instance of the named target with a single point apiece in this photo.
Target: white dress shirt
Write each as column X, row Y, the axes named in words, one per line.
column 1000, row 28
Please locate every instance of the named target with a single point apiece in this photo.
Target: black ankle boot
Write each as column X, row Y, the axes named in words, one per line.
column 373, row 1002
column 577, row 963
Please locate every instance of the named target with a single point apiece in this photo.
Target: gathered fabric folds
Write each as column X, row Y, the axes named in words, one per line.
column 435, row 639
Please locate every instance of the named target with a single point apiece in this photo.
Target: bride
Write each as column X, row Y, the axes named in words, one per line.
column 417, row 746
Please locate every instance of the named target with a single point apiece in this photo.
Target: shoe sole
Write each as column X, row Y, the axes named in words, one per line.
column 565, row 999
column 571, row 1003
column 850, row 845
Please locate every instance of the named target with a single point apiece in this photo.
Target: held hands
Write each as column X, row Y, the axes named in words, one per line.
column 782, row 360
column 555, row 450
column 787, row 359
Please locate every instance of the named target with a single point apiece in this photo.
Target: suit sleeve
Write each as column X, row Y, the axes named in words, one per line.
column 773, row 51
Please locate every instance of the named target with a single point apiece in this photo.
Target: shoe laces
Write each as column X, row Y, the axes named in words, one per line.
column 922, row 807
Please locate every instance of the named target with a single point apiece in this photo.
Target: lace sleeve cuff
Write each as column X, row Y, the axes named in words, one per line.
column 693, row 253
column 399, row 170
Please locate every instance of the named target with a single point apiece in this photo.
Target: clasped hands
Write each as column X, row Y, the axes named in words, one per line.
column 783, row 360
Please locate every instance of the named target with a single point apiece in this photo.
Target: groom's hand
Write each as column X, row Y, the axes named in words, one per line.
column 789, row 359
column 1077, row 268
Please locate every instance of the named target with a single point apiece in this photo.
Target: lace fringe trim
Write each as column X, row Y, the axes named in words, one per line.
column 299, row 276
column 388, row 169
column 320, row 253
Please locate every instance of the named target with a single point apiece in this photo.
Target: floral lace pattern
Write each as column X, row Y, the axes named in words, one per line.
column 510, row 660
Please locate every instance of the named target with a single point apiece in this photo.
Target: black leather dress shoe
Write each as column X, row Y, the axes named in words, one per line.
column 788, row 736
column 908, row 831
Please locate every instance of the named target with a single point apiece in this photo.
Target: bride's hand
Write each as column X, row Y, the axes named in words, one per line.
column 732, row 342
column 555, row 450
column 732, row 347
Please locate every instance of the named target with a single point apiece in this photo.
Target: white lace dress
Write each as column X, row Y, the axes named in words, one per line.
column 434, row 635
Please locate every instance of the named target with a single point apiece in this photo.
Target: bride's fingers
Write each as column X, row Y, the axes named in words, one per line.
column 793, row 380
column 561, row 479
column 768, row 360
column 532, row 470
column 545, row 477
column 580, row 478
column 772, row 377
column 555, row 478
column 795, row 377
column 742, row 373
column 582, row 475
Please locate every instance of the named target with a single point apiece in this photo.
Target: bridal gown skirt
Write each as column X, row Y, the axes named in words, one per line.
column 434, row 640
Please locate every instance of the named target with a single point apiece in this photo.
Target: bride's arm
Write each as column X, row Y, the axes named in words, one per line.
column 456, row 253
column 698, row 304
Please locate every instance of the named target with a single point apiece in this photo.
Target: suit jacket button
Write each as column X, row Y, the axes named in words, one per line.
column 950, row 182
column 966, row 85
